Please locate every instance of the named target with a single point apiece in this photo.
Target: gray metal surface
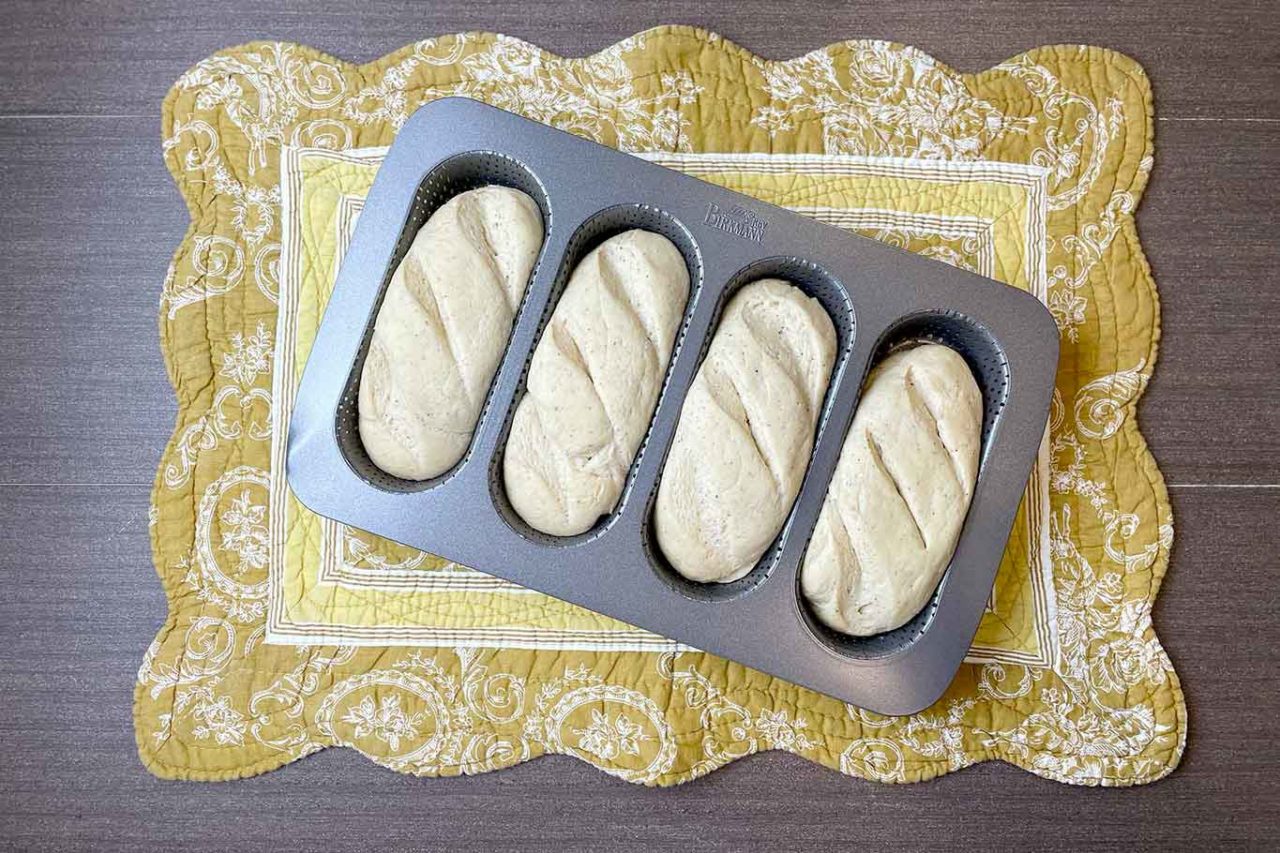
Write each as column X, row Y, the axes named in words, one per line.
column 88, row 408
column 879, row 298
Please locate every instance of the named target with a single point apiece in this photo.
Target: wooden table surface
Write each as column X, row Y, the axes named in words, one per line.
column 89, row 218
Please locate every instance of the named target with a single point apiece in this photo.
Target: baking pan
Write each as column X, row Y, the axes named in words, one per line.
column 880, row 298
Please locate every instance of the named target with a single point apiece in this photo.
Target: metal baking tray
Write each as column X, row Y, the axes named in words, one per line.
column 880, row 298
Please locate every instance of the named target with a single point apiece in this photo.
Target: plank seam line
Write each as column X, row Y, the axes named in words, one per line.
column 18, row 485
column 89, row 116
column 77, row 115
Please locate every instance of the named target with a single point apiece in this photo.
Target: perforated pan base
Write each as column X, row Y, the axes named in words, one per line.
column 880, row 299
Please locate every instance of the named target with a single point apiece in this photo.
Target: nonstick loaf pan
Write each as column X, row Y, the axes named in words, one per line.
column 879, row 298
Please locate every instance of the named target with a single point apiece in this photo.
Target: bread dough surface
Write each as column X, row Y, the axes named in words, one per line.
column 899, row 495
column 746, row 430
column 442, row 328
column 594, row 381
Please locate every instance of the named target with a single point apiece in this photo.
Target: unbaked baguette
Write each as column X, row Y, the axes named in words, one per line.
column 594, row 381
column 745, row 433
column 899, row 494
column 442, row 328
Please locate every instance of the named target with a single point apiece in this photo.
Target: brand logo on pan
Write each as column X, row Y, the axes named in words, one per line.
column 737, row 221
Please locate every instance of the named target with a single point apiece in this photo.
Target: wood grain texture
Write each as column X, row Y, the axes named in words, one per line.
column 119, row 56
column 83, row 310
column 69, row 776
column 84, row 399
column 1208, row 226
column 84, row 394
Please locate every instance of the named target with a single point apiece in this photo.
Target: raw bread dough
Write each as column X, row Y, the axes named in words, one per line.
column 442, row 329
column 746, row 430
column 899, row 495
column 594, row 381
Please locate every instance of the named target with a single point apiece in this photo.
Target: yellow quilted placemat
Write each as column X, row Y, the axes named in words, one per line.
column 332, row 583
column 288, row 633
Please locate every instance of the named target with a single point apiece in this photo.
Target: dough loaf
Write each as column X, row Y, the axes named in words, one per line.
column 899, row 495
column 594, row 382
column 746, row 430
column 442, row 329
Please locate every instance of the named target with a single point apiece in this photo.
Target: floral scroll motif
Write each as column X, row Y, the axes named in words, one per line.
column 262, row 92
column 217, row 267
column 1107, row 712
column 883, row 100
column 238, row 409
column 230, row 570
column 622, row 729
column 1077, row 134
column 594, row 97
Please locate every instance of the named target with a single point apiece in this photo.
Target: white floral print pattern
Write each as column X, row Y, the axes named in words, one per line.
column 384, row 721
column 608, row 738
column 1100, row 715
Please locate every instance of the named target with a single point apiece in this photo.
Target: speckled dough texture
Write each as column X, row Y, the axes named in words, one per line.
column 898, row 498
column 442, row 328
column 594, row 381
column 215, row 699
column 745, row 433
